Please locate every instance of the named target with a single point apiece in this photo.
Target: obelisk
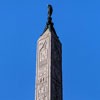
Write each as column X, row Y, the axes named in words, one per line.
column 49, row 63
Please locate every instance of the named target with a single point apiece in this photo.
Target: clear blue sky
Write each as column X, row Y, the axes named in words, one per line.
column 77, row 23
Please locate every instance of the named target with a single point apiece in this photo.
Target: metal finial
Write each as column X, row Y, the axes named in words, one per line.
column 50, row 10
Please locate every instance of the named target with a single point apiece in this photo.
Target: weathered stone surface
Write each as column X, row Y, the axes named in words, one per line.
column 49, row 64
column 49, row 67
column 43, row 67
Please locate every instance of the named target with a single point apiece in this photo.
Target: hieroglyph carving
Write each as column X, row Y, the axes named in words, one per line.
column 42, row 72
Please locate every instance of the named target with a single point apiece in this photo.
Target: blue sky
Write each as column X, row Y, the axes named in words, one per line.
column 77, row 23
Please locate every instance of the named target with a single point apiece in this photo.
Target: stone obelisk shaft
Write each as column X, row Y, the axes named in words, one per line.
column 49, row 64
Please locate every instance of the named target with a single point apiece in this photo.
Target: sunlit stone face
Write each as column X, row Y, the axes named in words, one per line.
column 43, row 67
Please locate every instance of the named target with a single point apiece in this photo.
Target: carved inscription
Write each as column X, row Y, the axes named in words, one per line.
column 43, row 51
column 42, row 78
column 42, row 89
